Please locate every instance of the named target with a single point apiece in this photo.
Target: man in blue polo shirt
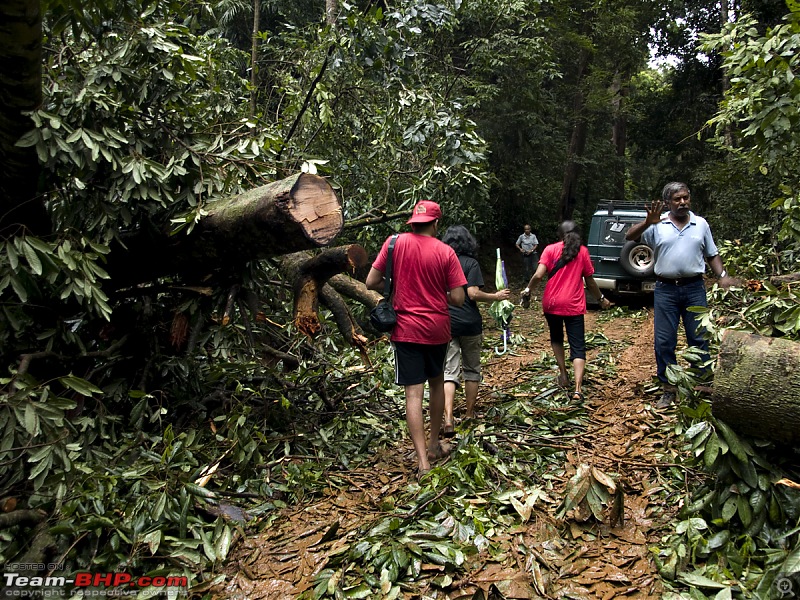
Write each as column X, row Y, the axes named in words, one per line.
column 682, row 243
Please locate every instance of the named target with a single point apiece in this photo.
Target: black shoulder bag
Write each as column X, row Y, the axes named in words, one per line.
column 382, row 317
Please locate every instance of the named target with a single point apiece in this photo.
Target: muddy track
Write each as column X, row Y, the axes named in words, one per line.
column 576, row 556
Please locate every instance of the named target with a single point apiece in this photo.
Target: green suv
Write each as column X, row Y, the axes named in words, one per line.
column 620, row 266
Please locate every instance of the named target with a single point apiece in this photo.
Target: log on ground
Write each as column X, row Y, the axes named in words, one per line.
column 757, row 386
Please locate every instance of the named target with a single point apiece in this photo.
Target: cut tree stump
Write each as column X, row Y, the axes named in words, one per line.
column 757, row 386
column 301, row 212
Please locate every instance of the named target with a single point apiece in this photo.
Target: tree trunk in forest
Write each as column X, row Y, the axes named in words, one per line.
column 619, row 131
column 297, row 213
column 20, row 91
column 724, row 17
column 254, row 57
column 577, row 143
column 331, row 11
column 757, row 386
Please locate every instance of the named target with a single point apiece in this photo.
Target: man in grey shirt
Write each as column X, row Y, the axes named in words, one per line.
column 527, row 244
column 681, row 243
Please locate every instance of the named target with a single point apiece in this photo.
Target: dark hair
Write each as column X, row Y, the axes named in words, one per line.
column 568, row 232
column 672, row 188
column 460, row 239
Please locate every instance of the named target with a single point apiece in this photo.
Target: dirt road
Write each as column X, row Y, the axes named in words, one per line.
column 624, row 446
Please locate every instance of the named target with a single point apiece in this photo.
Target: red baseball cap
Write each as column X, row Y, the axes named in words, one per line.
column 425, row 211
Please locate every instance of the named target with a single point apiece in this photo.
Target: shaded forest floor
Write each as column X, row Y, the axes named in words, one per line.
column 568, row 554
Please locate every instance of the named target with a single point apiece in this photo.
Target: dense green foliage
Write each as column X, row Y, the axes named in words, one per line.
column 123, row 407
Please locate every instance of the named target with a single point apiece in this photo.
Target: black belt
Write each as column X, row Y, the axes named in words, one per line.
column 679, row 280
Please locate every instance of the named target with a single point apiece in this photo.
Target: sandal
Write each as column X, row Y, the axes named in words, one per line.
column 563, row 382
column 449, row 430
column 577, row 397
column 442, row 450
column 422, row 473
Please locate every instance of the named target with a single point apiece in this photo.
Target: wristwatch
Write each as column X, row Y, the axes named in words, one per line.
column 723, row 273
column 601, row 298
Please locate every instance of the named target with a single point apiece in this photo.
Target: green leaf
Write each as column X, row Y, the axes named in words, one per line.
column 733, row 442
column 223, row 544
column 711, row 451
column 31, row 421
column 19, row 289
column 701, row 581
column 196, row 490
column 153, row 540
column 744, row 510
column 81, row 386
column 791, row 563
column 719, row 539
column 28, row 139
column 13, row 256
column 359, row 591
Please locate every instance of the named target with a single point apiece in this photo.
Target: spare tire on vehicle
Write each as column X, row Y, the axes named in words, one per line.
column 637, row 259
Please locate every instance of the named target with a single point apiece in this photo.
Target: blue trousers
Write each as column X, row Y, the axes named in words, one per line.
column 670, row 305
column 530, row 262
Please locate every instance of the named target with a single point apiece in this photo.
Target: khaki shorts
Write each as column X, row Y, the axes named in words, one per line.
column 463, row 359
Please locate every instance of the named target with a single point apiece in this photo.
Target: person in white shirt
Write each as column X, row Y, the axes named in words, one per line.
column 527, row 243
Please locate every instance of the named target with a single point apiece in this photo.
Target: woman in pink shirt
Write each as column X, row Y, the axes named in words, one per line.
column 568, row 266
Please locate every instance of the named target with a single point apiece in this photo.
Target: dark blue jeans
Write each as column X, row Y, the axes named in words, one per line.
column 671, row 303
column 529, row 263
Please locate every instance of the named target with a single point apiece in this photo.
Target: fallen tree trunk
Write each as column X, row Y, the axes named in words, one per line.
column 757, row 386
column 309, row 276
column 789, row 278
column 355, row 290
column 301, row 212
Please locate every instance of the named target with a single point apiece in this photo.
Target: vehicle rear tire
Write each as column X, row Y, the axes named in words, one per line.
column 637, row 259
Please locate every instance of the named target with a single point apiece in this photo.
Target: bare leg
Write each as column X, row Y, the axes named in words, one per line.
column 579, row 364
column 449, row 401
column 471, row 396
column 416, row 423
column 436, row 406
column 558, row 351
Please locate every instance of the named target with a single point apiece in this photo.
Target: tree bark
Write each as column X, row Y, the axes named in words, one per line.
column 789, row 278
column 757, row 386
column 309, row 275
column 577, row 143
column 347, row 326
column 254, row 57
column 331, row 11
column 300, row 212
column 355, row 290
column 20, row 91
column 619, row 131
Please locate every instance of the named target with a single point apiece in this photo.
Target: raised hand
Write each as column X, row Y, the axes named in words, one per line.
column 654, row 212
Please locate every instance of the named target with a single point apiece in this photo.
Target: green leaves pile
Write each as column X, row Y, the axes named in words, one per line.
column 738, row 536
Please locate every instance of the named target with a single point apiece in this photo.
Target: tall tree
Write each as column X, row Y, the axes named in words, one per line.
column 21, row 207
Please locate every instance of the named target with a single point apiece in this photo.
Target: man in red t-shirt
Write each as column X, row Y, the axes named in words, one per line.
column 426, row 277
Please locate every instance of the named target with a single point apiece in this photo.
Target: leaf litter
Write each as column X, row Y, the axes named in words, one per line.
column 541, row 498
